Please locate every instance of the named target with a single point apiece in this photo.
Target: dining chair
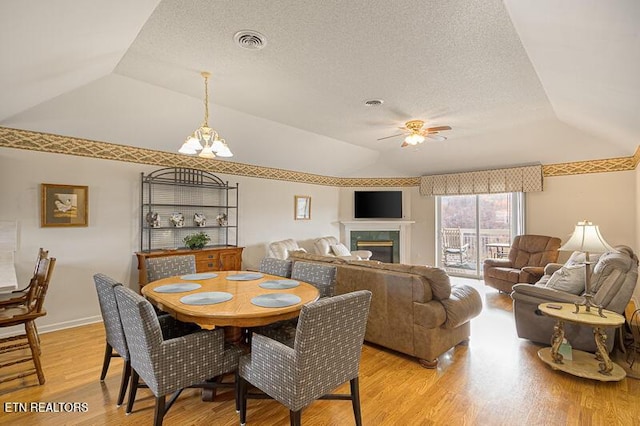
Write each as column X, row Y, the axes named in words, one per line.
column 273, row 266
column 325, row 354
column 169, row 266
column 20, row 296
column 26, row 314
column 169, row 364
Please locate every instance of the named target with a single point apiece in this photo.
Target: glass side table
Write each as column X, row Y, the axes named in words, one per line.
column 596, row 366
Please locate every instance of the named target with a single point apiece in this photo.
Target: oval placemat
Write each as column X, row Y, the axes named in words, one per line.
column 206, row 298
column 276, row 300
column 176, row 288
column 279, row 284
column 245, row 276
column 200, row 276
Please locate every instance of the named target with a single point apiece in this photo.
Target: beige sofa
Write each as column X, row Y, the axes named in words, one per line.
column 414, row 309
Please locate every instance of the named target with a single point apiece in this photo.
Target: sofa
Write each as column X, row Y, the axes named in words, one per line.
column 528, row 256
column 613, row 281
column 324, row 246
column 414, row 309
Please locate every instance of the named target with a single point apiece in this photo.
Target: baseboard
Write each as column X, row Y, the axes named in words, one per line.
column 55, row 327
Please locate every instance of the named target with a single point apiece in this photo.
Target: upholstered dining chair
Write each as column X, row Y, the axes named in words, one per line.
column 26, row 314
column 169, row 266
column 20, row 296
column 274, row 266
column 168, row 365
column 325, row 354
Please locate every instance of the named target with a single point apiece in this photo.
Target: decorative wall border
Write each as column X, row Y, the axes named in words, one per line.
column 48, row 142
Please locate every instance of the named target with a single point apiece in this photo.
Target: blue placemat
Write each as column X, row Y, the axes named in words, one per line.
column 200, row 276
column 275, row 300
column 177, row 287
column 245, row 276
column 279, row 284
column 206, row 298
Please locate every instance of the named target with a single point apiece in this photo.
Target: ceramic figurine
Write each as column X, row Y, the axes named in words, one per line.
column 177, row 219
column 153, row 219
column 200, row 219
column 221, row 219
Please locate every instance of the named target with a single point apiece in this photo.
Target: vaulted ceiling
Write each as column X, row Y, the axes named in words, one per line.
column 519, row 81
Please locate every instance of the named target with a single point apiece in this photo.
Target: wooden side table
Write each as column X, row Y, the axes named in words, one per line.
column 590, row 366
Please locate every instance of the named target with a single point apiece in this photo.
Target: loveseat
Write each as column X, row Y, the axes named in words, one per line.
column 414, row 309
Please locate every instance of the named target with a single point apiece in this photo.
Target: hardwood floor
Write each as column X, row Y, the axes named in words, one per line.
column 496, row 380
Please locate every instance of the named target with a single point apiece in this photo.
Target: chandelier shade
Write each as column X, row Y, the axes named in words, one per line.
column 205, row 141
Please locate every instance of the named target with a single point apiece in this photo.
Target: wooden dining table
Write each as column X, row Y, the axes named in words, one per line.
column 239, row 311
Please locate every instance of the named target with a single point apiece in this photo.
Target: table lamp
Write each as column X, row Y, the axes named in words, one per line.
column 586, row 238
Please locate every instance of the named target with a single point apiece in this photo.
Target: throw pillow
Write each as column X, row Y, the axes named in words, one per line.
column 569, row 279
column 340, row 250
column 577, row 258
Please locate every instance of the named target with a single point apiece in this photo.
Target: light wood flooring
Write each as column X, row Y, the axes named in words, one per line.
column 496, row 380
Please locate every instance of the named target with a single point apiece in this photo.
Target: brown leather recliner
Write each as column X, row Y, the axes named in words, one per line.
column 528, row 256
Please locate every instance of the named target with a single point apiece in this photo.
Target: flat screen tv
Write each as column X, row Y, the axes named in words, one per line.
column 378, row 204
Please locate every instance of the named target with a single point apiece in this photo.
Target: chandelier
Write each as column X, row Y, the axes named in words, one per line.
column 205, row 141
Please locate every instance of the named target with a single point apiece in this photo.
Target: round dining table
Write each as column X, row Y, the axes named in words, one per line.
column 243, row 288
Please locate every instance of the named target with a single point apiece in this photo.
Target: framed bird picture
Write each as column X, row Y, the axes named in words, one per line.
column 64, row 205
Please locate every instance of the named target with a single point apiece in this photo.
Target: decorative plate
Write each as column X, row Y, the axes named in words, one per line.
column 177, row 288
column 275, row 300
column 200, row 276
column 245, row 276
column 206, row 298
column 279, row 284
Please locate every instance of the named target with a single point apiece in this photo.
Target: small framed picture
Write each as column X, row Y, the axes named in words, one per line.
column 64, row 205
column 302, row 207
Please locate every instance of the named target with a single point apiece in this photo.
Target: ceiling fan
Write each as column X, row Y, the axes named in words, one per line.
column 416, row 133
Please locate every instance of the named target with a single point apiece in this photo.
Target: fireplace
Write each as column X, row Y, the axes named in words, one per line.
column 397, row 231
column 381, row 250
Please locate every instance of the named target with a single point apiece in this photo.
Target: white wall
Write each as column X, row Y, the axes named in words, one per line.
column 108, row 244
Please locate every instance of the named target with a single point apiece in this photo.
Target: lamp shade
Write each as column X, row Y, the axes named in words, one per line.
column 586, row 238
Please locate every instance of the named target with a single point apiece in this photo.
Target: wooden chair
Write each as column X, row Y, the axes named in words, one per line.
column 26, row 314
column 453, row 247
column 18, row 297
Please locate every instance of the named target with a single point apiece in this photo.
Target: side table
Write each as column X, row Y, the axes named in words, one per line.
column 590, row 366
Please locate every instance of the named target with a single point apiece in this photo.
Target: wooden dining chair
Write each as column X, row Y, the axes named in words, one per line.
column 18, row 297
column 324, row 355
column 25, row 314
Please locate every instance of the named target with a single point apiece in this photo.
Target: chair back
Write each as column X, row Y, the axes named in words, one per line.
column 42, row 254
column 451, row 238
column 143, row 334
column 328, row 341
column 614, row 278
column 321, row 276
column 110, row 315
column 533, row 250
column 169, row 266
column 273, row 266
column 40, row 284
column 323, row 245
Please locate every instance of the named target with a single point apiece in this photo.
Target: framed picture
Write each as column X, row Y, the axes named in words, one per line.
column 64, row 205
column 302, row 207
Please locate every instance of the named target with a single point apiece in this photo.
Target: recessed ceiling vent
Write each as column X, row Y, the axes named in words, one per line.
column 251, row 40
column 374, row 102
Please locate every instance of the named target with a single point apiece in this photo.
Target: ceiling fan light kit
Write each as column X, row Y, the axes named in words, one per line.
column 417, row 134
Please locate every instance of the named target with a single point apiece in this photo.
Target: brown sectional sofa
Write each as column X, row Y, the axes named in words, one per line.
column 414, row 309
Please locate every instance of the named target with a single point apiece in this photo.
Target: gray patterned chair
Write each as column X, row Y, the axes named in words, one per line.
column 116, row 344
column 323, row 277
column 169, row 266
column 325, row 354
column 169, row 365
column 273, row 266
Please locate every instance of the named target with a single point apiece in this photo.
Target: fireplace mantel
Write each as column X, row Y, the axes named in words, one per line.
column 381, row 225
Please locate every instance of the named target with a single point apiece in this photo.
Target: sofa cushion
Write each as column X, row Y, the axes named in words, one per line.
column 340, row 250
column 281, row 249
column 511, row 275
column 568, row 278
column 303, row 255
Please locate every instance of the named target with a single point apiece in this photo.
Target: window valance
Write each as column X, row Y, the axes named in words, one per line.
column 515, row 179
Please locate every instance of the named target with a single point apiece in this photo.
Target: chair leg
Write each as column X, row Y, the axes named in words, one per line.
column 242, row 397
column 107, row 359
column 124, row 381
column 158, row 415
column 32, row 337
column 295, row 418
column 355, row 400
column 133, row 388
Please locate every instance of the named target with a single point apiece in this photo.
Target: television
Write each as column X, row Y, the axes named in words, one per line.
column 377, row 204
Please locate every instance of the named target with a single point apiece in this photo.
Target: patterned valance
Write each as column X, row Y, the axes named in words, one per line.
column 515, row 179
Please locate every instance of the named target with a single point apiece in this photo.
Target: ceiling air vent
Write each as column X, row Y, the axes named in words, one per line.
column 251, row 40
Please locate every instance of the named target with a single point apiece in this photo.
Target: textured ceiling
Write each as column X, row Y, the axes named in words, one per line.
column 520, row 82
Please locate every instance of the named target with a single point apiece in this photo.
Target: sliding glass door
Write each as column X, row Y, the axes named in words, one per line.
column 472, row 228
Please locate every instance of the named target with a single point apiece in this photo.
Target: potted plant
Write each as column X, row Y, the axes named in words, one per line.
column 197, row 240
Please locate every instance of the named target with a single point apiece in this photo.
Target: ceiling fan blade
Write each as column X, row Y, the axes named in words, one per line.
column 404, row 144
column 388, row 137
column 435, row 137
column 438, row 128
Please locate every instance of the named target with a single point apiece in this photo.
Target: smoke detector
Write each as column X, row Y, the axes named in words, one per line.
column 251, row 40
